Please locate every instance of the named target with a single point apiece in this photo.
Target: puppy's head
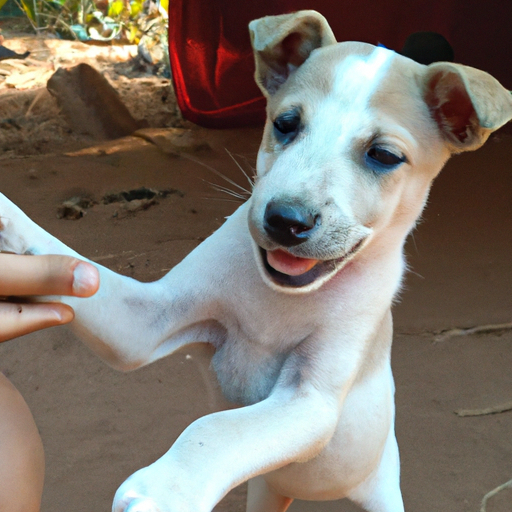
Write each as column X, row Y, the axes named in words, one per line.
column 354, row 136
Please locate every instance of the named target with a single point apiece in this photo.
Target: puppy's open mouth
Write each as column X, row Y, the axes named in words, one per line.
column 290, row 271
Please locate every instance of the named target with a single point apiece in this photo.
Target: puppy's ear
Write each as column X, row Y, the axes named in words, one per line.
column 467, row 104
column 282, row 43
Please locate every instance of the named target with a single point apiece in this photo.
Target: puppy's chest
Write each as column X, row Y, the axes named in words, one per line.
column 249, row 362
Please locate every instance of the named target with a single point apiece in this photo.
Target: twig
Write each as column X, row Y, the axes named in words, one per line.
column 479, row 329
column 56, row 20
column 496, row 409
column 36, row 99
column 492, row 493
column 123, row 254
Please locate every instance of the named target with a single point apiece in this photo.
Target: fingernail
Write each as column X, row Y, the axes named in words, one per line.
column 63, row 316
column 85, row 280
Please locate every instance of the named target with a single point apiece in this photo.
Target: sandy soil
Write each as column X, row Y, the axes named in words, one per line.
column 98, row 426
column 30, row 119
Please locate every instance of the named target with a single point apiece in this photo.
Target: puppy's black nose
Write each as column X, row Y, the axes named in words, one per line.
column 289, row 224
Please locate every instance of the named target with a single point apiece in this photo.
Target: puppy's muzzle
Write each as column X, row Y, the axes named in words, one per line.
column 289, row 224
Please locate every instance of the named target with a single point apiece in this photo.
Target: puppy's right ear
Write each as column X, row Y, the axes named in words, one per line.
column 282, row 43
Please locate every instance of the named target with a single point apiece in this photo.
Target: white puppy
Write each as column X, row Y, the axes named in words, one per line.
column 294, row 290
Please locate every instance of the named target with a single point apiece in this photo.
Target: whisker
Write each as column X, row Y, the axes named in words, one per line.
column 251, row 182
column 225, row 199
column 216, row 172
column 228, row 191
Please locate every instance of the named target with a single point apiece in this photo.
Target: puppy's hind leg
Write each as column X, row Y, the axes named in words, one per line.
column 262, row 498
column 381, row 491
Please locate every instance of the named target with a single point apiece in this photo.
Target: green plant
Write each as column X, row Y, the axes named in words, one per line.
column 102, row 20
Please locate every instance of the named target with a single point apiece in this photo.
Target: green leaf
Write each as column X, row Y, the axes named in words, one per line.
column 29, row 6
column 164, row 4
column 134, row 34
column 135, row 8
column 115, row 8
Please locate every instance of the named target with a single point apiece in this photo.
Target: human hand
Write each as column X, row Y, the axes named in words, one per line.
column 25, row 276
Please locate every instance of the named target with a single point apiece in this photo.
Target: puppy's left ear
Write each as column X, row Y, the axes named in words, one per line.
column 467, row 104
column 283, row 43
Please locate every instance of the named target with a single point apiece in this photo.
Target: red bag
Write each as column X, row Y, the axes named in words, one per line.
column 212, row 62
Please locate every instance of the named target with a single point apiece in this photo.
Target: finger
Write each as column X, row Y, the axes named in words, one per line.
column 46, row 275
column 19, row 319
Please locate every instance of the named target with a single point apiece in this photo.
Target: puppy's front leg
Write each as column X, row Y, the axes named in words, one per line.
column 127, row 323
column 222, row 450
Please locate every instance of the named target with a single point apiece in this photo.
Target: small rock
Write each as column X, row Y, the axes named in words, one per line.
column 74, row 208
column 90, row 104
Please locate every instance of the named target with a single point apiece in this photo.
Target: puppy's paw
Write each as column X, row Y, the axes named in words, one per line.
column 20, row 235
column 132, row 502
column 150, row 489
column 14, row 227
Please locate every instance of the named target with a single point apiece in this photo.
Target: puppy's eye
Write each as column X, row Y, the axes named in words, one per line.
column 382, row 160
column 287, row 126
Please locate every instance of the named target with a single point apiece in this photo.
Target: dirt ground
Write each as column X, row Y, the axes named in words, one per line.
column 98, row 426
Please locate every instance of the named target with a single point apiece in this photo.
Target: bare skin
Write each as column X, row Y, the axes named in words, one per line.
column 21, row 449
column 22, row 276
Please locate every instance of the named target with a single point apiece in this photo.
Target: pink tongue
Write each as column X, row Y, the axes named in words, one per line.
column 286, row 263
